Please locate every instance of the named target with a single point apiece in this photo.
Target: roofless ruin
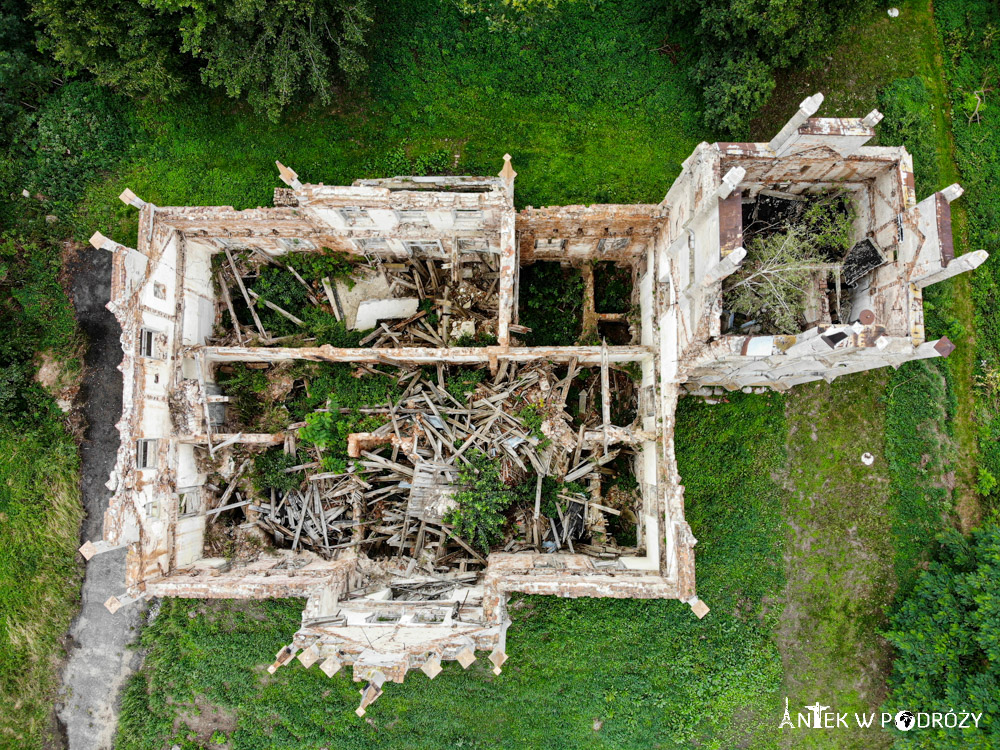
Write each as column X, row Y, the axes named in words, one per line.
column 313, row 390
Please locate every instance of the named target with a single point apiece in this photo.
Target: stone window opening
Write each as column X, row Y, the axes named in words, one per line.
column 431, row 616
column 430, row 248
column 147, row 343
column 383, row 618
column 468, row 218
column 613, row 244
column 354, row 216
column 411, row 216
column 145, row 453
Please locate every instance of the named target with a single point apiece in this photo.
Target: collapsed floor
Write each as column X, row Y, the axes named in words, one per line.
column 328, row 298
column 381, row 476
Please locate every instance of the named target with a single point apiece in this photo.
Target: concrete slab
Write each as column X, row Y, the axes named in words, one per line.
column 371, row 311
column 372, row 286
column 330, row 666
column 432, row 667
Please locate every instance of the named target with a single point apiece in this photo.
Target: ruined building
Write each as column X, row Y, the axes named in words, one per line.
column 390, row 586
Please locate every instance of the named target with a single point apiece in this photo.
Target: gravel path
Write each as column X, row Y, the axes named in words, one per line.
column 99, row 660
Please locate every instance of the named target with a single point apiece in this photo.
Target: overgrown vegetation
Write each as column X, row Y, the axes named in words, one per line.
column 40, row 516
column 736, row 47
column 774, row 283
column 551, row 304
column 921, row 456
column 328, row 431
column 972, row 64
column 352, row 388
column 40, row 511
column 947, row 641
column 463, row 384
column 270, row 470
column 612, row 288
column 478, row 516
column 245, row 387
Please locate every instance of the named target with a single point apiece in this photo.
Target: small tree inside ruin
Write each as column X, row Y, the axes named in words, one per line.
column 773, row 284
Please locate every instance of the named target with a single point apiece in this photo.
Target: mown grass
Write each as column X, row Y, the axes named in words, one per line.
column 649, row 672
column 40, row 515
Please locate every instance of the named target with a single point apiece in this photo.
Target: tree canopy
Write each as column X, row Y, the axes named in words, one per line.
column 270, row 52
column 737, row 45
column 947, row 640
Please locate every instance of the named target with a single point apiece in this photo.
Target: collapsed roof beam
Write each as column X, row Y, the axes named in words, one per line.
column 457, row 355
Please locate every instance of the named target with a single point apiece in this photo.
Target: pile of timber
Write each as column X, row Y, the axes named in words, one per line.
column 461, row 288
column 394, row 497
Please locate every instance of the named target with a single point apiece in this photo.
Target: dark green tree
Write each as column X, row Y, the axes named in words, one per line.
column 737, row 45
column 947, row 639
column 127, row 45
column 270, row 52
column 273, row 51
column 26, row 75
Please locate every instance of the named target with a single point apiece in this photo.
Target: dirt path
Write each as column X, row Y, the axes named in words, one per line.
column 99, row 660
column 839, row 556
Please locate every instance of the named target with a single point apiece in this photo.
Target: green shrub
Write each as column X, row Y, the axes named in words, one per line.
column 478, row 516
column 337, row 380
column 551, row 304
column 35, row 316
column 328, row 430
column 737, row 46
column 463, row 383
column 479, row 339
column 397, row 163
column 327, row 330
column 612, row 288
column 313, row 266
column 81, row 132
column 269, row 470
column 279, row 287
column 245, row 387
column 947, row 639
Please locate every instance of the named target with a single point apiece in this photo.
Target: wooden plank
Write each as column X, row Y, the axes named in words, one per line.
column 334, row 304
column 243, row 290
column 224, row 288
column 282, row 312
column 239, row 504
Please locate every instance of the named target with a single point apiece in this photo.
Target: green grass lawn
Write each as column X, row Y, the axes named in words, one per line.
column 40, row 516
